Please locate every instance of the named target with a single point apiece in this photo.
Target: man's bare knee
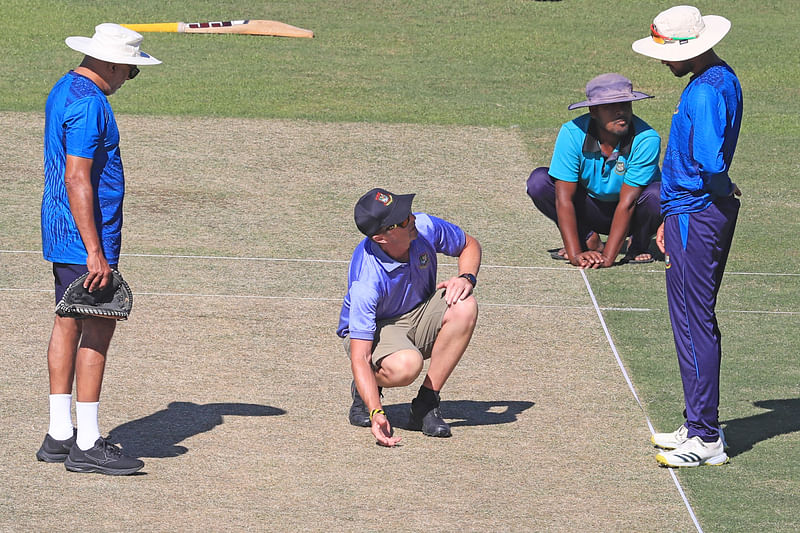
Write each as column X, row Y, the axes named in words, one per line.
column 400, row 368
column 465, row 313
column 97, row 333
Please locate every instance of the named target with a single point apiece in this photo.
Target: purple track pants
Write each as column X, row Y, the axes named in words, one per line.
column 697, row 246
column 594, row 215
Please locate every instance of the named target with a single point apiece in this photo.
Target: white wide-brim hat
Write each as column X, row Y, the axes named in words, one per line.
column 682, row 33
column 113, row 43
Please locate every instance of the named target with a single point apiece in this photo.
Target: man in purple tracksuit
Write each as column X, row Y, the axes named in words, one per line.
column 700, row 209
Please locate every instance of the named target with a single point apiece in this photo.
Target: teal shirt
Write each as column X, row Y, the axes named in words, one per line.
column 577, row 158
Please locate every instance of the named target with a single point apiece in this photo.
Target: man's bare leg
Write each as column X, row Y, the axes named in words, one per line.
column 451, row 343
column 90, row 362
column 61, row 354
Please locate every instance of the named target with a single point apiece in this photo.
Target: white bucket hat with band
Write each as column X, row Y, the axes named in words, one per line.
column 113, row 43
column 681, row 33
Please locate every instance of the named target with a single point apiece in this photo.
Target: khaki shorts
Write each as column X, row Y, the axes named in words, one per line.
column 415, row 330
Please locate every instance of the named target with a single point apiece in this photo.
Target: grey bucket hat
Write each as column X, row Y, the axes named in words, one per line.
column 609, row 89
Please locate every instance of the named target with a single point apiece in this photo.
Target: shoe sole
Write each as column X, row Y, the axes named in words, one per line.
column 413, row 425
column 440, row 435
column 46, row 457
column 718, row 460
column 87, row 468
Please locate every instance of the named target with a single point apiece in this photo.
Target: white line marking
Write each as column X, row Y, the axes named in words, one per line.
column 482, row 303
column 288, row 260
column 240, row 296
column 636, row 396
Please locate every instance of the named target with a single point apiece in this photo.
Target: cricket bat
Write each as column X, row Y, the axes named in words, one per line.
column 247, row 27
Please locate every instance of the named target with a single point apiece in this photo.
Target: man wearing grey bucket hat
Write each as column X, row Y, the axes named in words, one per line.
column 81, row 226
column 700, row 208
column 603, row 178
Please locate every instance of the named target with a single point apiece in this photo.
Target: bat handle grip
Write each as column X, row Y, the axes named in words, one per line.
column 170, row 27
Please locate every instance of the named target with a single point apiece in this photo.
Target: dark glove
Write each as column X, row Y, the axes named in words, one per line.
column 115, row 301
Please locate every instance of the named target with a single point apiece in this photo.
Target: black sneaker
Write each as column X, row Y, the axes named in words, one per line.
column 431, row 422
column 103, row 458
column 55, row 451
column 358, row 415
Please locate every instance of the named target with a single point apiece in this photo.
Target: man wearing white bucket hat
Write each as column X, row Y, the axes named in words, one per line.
column 81, row 232
column 700, row 209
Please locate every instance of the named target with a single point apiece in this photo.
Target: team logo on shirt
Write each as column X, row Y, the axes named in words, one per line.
column 667, row 264
column 424, row 260
column 383, row 198
column 620, row 168
column 676, row 108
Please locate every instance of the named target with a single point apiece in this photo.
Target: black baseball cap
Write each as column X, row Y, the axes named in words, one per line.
column 379, row 208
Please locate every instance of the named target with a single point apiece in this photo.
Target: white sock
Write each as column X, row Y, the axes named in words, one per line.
column 60, row 416
column 88, row 428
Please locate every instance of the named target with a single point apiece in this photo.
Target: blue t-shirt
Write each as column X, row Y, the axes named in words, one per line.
column 702, row 139
column 79, row 122
column 577, row 158
column 380, row 287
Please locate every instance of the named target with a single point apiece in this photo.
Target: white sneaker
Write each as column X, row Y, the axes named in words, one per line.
column 694, row 452
column 670, row 441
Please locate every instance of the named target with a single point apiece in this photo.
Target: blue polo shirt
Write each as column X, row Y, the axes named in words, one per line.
column 577, row 158
column 702, row 139
column 380, row 287
column 79, row 122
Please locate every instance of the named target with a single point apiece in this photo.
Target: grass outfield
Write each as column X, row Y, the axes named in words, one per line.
column 507, row 69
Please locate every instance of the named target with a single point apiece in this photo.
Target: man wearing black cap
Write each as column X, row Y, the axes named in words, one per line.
column 395, row 314
column 603, row 178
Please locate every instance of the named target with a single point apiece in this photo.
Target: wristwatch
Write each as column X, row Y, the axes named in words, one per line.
column 471, row 278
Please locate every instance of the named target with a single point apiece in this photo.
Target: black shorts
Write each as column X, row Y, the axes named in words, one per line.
column 66, row 273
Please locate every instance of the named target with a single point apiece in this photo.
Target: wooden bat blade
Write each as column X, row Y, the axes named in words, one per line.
column 247, row 27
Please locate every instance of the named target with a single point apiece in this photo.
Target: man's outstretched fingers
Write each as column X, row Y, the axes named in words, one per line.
column 383, row 431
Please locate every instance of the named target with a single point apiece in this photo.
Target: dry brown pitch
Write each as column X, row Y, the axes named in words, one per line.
column 229, row 382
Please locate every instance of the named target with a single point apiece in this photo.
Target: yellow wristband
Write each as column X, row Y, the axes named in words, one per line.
column 376, row 412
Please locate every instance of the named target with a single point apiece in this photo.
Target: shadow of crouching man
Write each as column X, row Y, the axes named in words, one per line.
column 743, row 433
column 158, row 435
column 467, row 412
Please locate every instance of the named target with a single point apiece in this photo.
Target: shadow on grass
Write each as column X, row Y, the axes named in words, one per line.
column 467, row 412
column 158, row 435
column 743, row 433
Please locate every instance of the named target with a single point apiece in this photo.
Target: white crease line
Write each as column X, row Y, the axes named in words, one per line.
column 636, row 396
column 482, row 303
column 288, row 260
column 239, row 296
